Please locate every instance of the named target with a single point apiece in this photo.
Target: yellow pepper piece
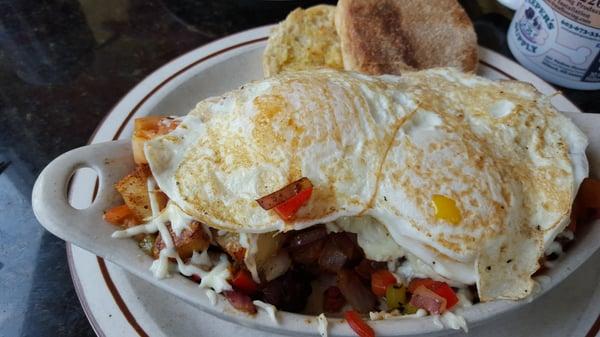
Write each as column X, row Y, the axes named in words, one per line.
column 409, row 309
column 445, row 209
column 395, row 296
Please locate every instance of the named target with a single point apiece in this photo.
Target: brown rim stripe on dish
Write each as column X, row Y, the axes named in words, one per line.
column 118, row 299
column 594, row 329
column 498, row 70
column 184, row 69
column 79, row 291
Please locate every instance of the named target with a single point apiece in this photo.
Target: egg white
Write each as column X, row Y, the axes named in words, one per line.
column 382, row 146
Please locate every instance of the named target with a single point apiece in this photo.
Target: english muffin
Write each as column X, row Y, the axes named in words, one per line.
column 392, row 36
column 307, row 38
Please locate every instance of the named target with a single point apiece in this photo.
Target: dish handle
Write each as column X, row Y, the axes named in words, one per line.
column 111, row 161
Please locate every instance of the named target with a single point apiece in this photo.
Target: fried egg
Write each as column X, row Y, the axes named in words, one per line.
column 473, row 177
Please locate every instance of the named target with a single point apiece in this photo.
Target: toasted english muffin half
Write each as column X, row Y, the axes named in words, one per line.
column 307, row 38
column 392, row 36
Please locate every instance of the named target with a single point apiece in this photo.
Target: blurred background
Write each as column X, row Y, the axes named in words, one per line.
column 63, row 65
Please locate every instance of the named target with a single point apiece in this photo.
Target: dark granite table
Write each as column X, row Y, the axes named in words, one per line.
column 63, row 65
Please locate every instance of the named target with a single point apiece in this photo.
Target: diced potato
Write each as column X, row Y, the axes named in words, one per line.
column 191, row 239
column 146, row 128
column 134, row 190
column 268, row 245
column 230, row 243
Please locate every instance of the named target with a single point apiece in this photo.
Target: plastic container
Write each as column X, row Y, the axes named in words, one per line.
column 559, row 40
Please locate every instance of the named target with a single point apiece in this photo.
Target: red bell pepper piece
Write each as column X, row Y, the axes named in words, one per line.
column 242, row 281
column 380, row 281
column 357, row 324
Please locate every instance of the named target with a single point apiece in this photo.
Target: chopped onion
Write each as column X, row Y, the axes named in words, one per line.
column 332, row 258
column 306, row 236
column 309, row 253
column 276, row 265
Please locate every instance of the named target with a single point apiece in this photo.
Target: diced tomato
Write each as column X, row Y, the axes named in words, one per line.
column 380, row 281
column 444, row 290
column 240, row 301
column 428, row 300
column 288, row 200
column 242, row 281
column 118, row 214
column 287, row 210
column 440, row 288
column 357, row 324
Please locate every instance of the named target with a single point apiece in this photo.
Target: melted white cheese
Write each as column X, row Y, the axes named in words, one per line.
column 381, row 315
column 395, row 314
column 322, row 325
column 160, row 268
column 454, row 321
column 268, row 308
column 249, row 242
column 215, row 278
column 201, row 259
column 464, row 298
column 212, row 296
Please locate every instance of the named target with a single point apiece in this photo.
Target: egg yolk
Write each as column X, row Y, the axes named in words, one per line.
column 445, row 209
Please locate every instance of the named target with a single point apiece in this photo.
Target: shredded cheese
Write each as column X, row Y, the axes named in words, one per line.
column 249, row 242
column 179, row 220
column 322, row 321
column 201, row 259
column 395, row 314
column 269, row 308
column 212, row 296
column 454, row 321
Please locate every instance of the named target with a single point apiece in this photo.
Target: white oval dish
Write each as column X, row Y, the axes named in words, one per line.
column 174, row 89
